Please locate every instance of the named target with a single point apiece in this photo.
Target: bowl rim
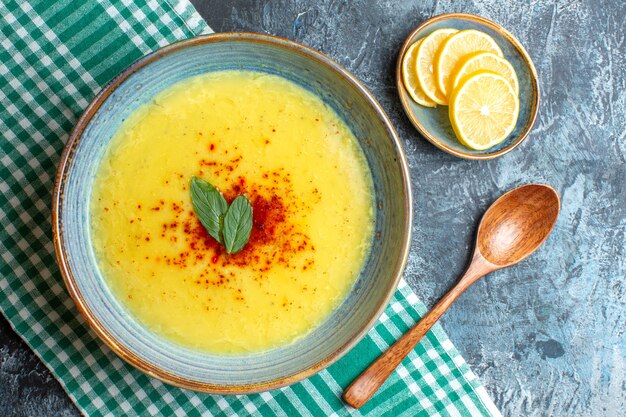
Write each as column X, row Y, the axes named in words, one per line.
column 70, row 279
column 507, row 35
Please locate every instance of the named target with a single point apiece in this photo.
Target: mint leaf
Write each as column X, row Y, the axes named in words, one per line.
column 210, row 207
column 237, row 224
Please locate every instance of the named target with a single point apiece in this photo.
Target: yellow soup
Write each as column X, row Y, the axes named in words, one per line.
column 246, row 133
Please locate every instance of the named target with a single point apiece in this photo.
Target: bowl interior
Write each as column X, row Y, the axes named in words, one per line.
column 434, row 123
column 348, row 322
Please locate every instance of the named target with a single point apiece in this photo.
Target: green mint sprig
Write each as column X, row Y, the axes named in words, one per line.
column 230, row 226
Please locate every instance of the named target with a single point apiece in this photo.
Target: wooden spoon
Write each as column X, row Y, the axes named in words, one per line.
column 513, row 227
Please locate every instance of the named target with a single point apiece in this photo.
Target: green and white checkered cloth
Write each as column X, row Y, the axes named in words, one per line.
column 54, row 57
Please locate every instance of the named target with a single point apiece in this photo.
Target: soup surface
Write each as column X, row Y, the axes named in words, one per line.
column 246, row 133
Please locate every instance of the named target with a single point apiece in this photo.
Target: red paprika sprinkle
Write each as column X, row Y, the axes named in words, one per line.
column 274, row 240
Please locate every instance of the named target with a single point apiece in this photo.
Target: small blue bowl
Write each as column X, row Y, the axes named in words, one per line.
column 346, row 325
column 434, row 123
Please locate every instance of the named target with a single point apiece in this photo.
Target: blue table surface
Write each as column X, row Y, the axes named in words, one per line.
column 547, row 336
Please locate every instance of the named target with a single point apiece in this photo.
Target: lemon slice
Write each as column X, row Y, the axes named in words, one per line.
column 425, row 59
column 483, row 110
column 409, row 77
column 454, row 49
column 485, row 61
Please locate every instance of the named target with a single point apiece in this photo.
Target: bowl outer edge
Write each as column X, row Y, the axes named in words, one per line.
column 58, row 196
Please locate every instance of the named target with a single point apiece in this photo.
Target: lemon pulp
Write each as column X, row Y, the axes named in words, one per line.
column 479, row 61
column 426, row 54
column 409, row 77
column 454, row 49
column 483, row 110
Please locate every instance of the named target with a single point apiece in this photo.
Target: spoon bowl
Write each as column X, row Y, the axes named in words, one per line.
column 513, row 227
column 517, row 224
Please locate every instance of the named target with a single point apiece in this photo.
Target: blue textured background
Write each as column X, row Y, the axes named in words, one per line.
column 547, row 336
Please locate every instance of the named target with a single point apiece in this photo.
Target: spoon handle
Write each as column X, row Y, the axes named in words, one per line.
column 366, row 384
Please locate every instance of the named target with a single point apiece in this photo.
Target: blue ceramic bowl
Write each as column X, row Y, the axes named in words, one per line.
column 347, row 324
column 434, row 123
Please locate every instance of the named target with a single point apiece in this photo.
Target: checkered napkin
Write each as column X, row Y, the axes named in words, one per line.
column 54, row 57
